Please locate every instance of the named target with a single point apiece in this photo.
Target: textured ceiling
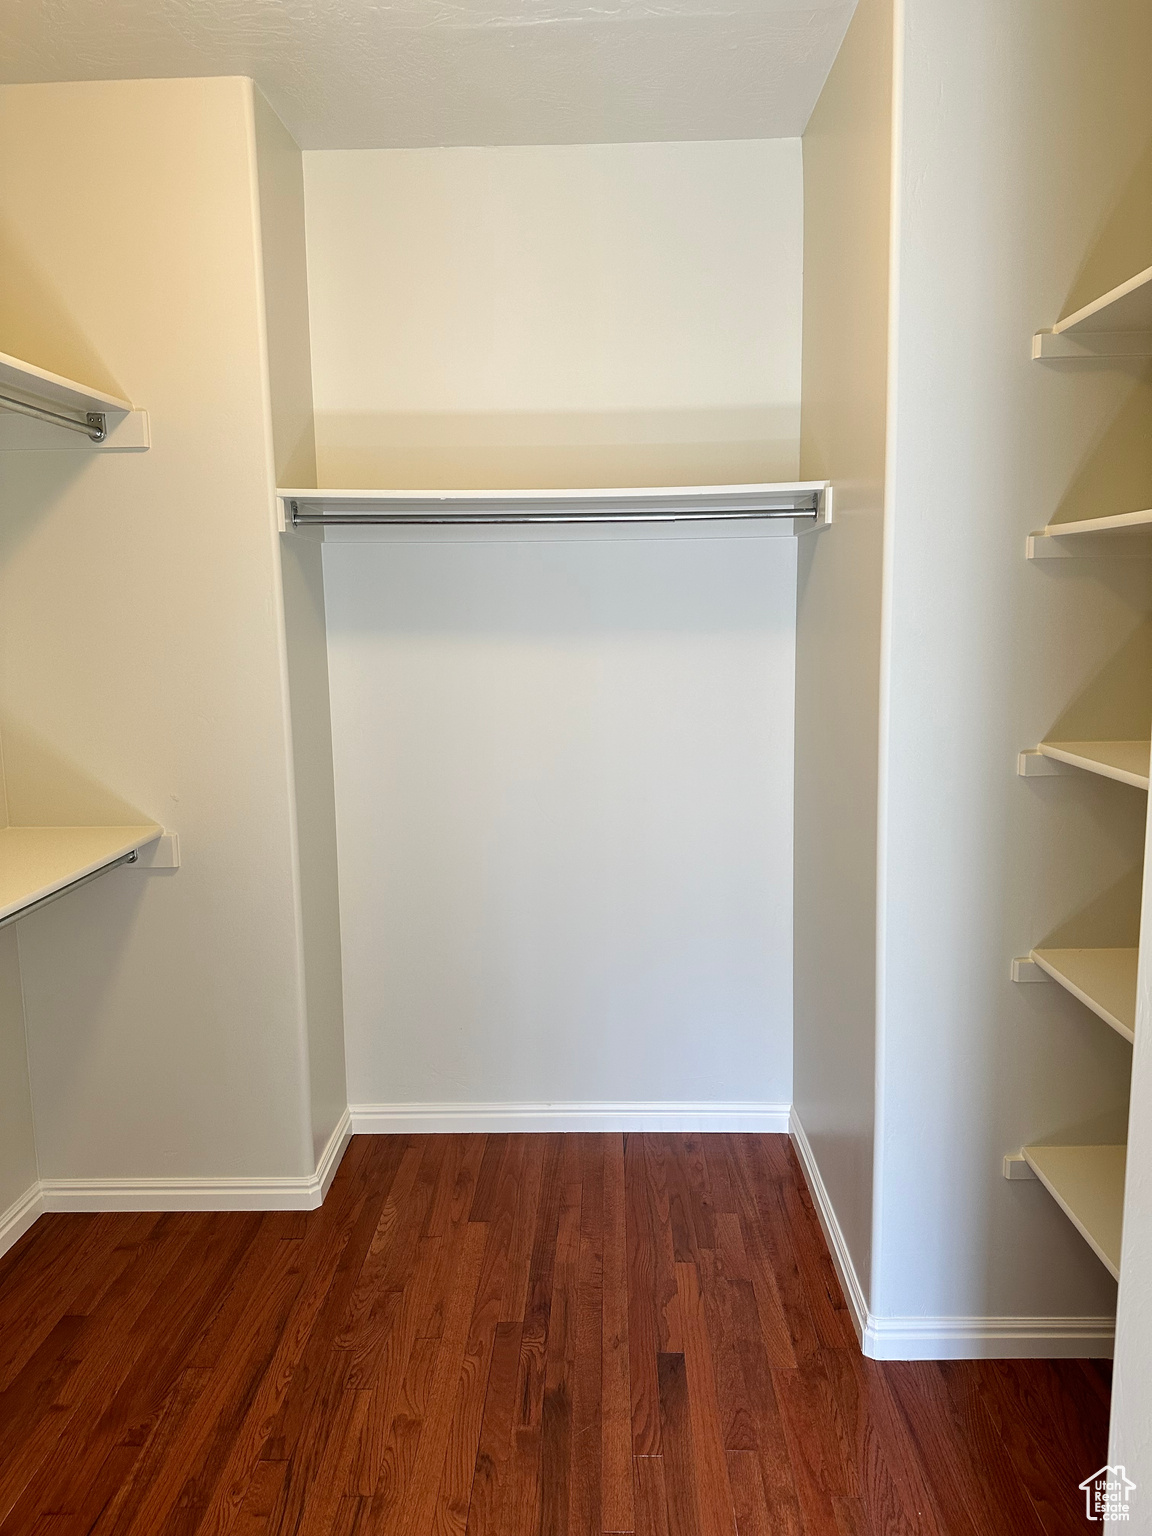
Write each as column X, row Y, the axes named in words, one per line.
column 364, row 74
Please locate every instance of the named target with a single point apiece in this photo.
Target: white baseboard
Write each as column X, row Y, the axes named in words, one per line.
column 989, row 1338
column 403, row 1119
column 272, row 1194
column 946, row 1338
column 330, row 1157
column 833, row 1236
column 19, row 1216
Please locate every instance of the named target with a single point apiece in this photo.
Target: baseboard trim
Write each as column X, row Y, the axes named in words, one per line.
column 833, row 1234
column 402, row 1119
column 989, row 1338
column 272, row 1194
column 19, row 1216
column 331, row 1156
column 946, row 1338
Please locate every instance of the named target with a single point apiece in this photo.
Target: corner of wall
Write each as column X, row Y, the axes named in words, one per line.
column 280, row 185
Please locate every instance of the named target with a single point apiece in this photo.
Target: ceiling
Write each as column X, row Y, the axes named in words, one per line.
column 366, row 74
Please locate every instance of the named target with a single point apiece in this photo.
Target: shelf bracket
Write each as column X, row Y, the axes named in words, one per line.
column 1038, row 765
column 1025, row 969
column 1016, row 1166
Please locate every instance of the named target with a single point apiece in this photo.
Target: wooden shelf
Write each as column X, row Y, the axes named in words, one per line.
column 1103, row 980
column 1118, row 323
column 1126, row 533
column 1087, row 1184
column 791, row 506
column 61, row 407
column 38, row 863
column 1124, row 761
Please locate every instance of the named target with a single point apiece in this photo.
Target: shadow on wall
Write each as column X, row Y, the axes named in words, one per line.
column 1122, row 246
column 1116, row 475
column 1111, row 919
column 1116, row 704
column 38, row 327
column 45, row 789
column 524, row 450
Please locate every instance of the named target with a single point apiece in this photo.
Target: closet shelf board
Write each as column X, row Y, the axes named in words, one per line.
column 44, row 388
column 807, row 500
column 1123, row 533
column 1117, row 324
column 37, row 862
column 1103, row 980
column 1087, row 1184
column 1127, row 307
column 1124, row 761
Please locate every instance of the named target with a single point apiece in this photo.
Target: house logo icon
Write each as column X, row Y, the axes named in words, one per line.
column 1107, row 1494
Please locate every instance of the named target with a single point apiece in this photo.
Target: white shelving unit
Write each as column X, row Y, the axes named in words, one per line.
column 1087, row 1184
column 1103, row 980
column 1117, row 324
column 788, row 507
column 40, row 409
column 37, row 864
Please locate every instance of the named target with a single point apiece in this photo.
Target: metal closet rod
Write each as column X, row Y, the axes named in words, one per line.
column 467, row 519
column 93, row 425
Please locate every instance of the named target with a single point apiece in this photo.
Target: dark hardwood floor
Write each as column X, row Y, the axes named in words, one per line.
column 504, row 1335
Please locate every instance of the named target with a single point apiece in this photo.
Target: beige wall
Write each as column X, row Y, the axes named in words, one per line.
column 847, row 173
column 18, row 1172
column 141, row 649
column 568, row 315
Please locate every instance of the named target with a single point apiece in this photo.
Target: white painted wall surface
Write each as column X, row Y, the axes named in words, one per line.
column 1023, row 127
column 563, row 768
column 140, row 648
column 563, row 776
column 1130, row 1441
column 847, row 176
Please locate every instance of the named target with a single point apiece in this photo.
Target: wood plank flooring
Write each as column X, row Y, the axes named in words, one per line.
column 504, row 1336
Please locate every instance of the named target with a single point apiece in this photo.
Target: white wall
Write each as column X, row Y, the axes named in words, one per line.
column 563, row 767
column 847, row 173
column 1023, row 127
column 141, row 651
column 1130, row 1441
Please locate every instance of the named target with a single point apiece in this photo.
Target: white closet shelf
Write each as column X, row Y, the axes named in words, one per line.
column 1117, row 324
column 804, row 503
column 37, row 864
column 1103, row 980
column 89, row 414
column 1124, row 533
column 1124, row 761
column 1087, row 1184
